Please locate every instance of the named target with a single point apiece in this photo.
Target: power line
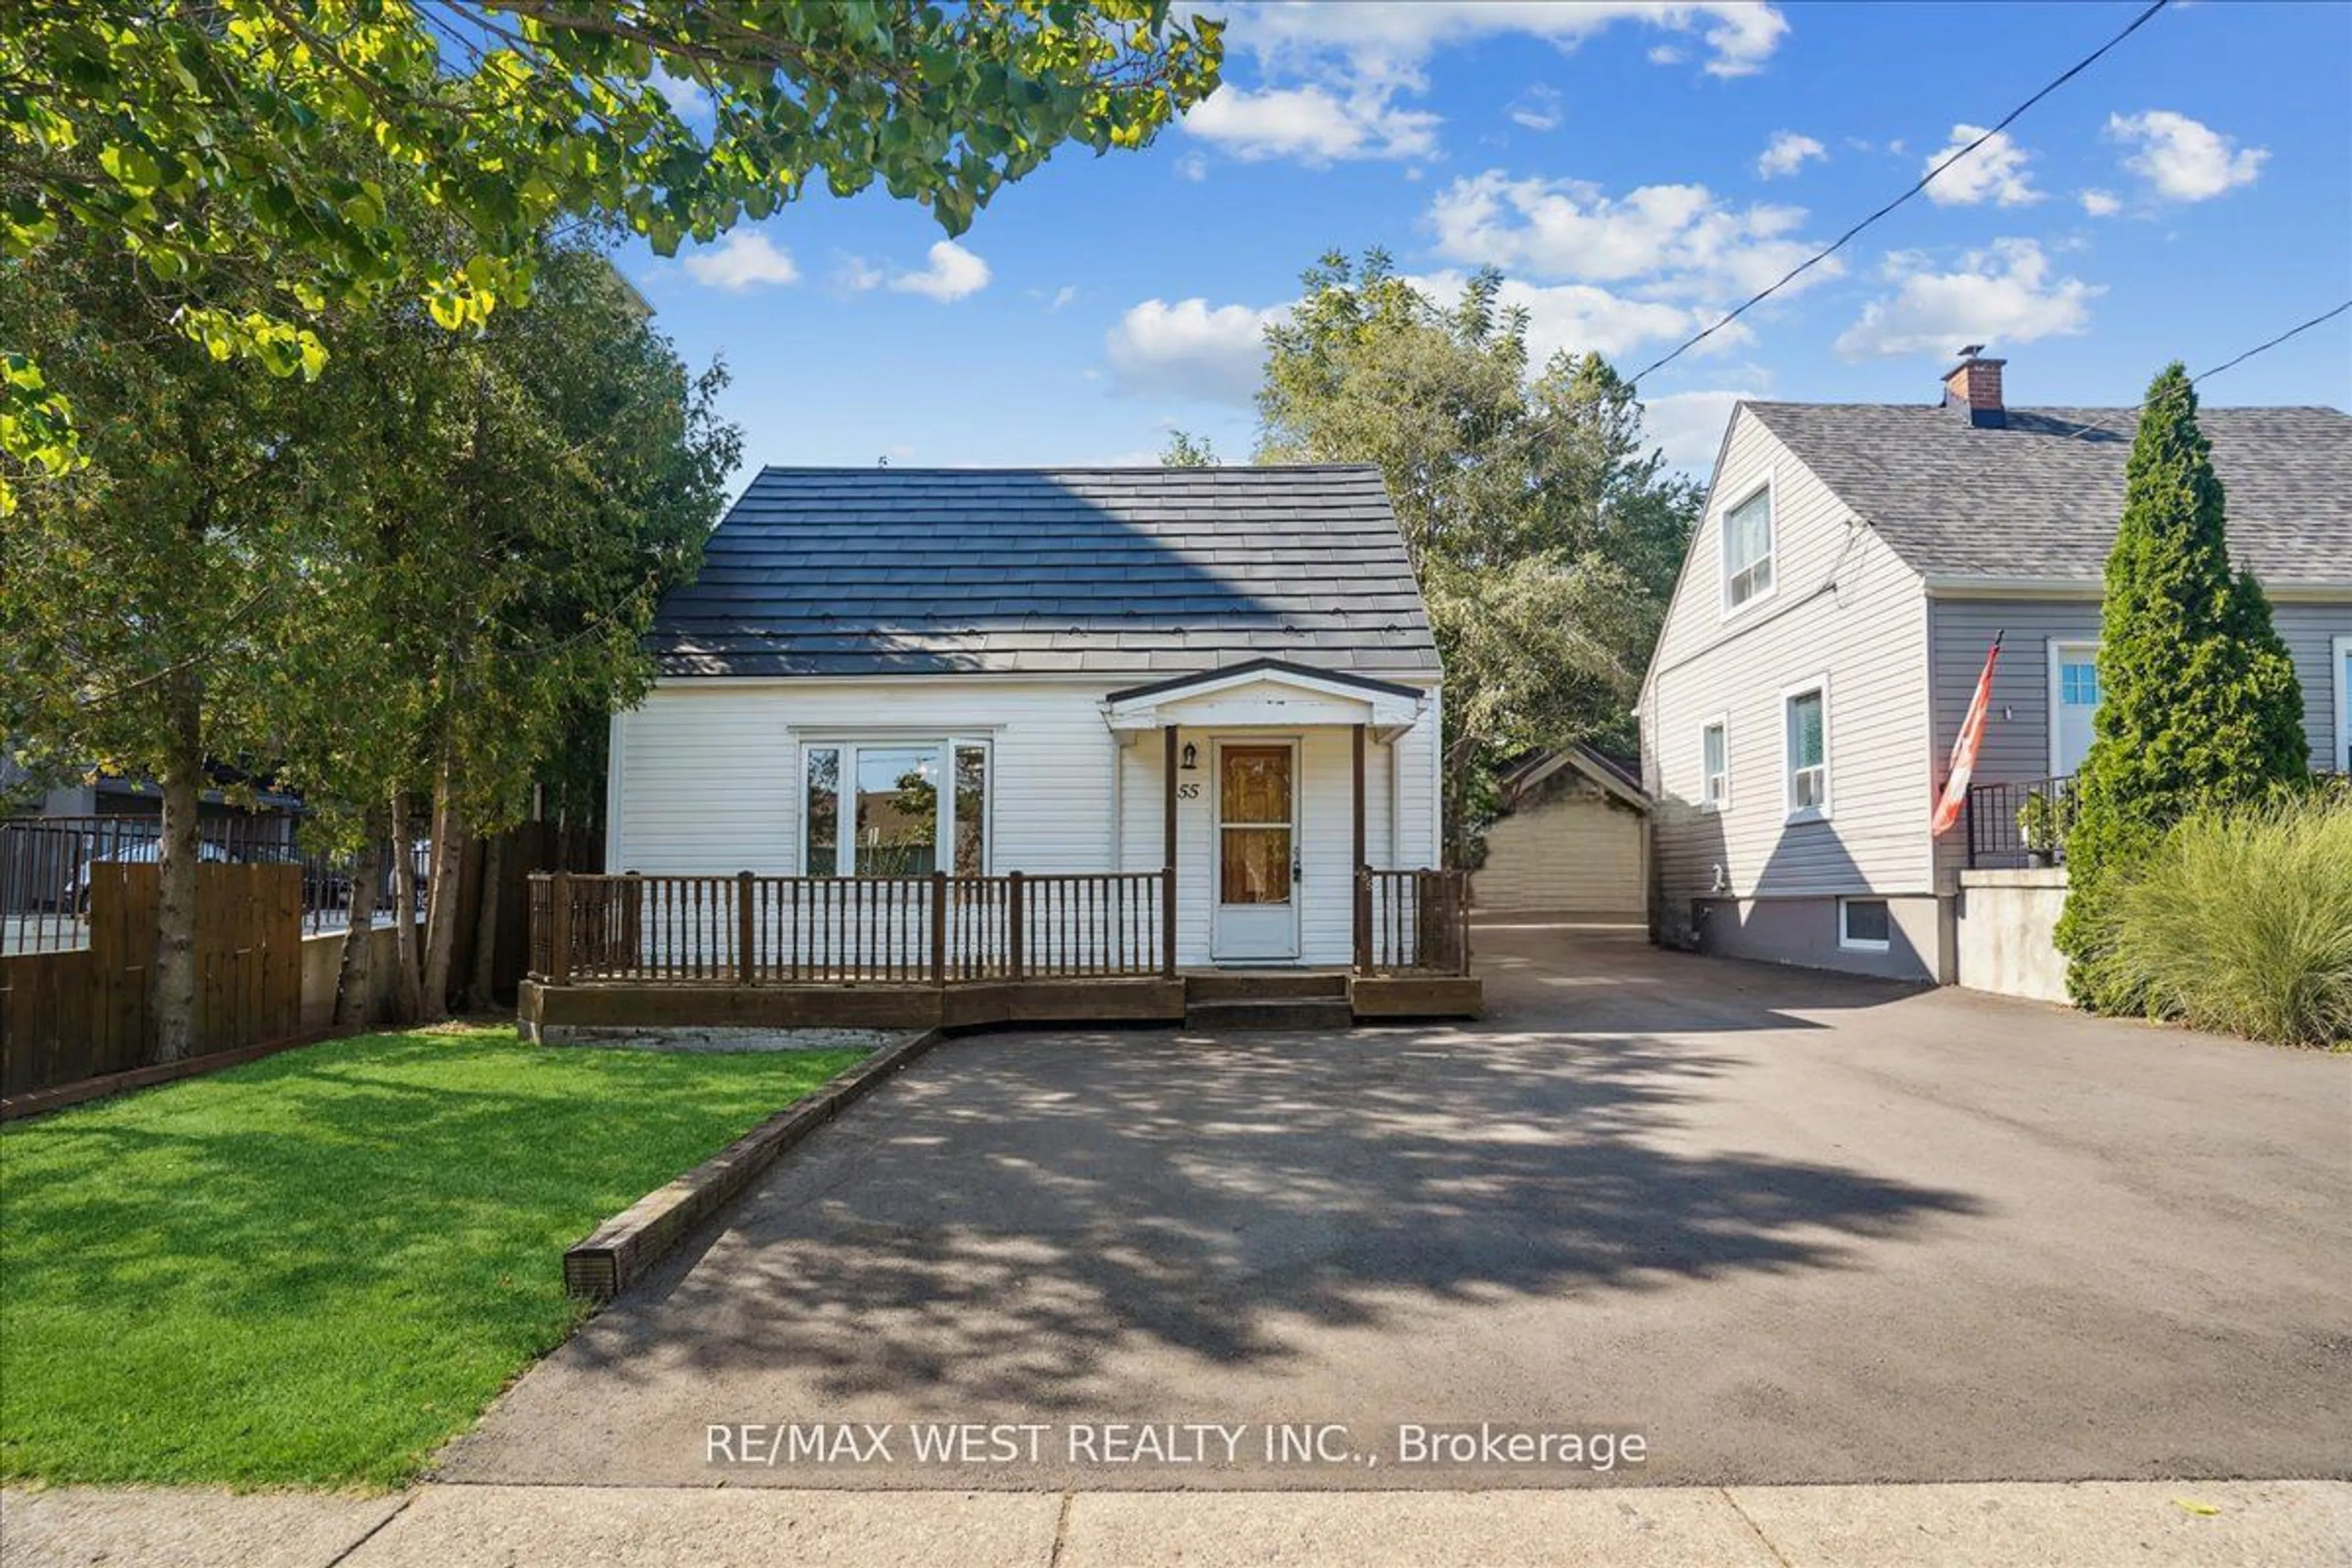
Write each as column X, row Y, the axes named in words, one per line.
column 2069, row 74
column 2260, row 348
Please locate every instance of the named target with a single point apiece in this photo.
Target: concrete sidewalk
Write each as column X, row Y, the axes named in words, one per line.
column 2248, row 1524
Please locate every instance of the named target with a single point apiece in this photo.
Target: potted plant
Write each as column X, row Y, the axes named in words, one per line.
column 2038, row 823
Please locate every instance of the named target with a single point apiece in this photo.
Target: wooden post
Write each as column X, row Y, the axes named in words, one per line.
column 1016, row 922
column 1167, row 858
column 938, row 928
column 1360, row 889
column 745, row 971
column 559, row 926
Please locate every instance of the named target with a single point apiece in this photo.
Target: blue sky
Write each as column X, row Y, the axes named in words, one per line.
column 1634, row 168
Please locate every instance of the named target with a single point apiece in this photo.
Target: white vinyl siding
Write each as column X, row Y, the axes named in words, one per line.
column 1572, row 849
column 1843, row 606
column 707, row 778
column 1748, row 551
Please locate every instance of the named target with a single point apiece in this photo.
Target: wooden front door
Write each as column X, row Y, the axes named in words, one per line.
column 1256, row 865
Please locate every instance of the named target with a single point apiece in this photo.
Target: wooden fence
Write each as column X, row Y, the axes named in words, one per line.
column 69, row 1015
column 791, row 931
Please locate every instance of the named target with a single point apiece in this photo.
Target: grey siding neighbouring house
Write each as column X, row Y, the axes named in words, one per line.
column 1904, row 538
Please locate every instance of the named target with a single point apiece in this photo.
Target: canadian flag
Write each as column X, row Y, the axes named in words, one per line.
column 1964, row 750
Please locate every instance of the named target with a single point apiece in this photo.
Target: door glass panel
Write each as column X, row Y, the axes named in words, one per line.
column 1256, row 865
column 897, row 810
column 1255, row 786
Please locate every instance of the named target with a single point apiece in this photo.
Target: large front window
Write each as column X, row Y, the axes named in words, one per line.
column 895, row 808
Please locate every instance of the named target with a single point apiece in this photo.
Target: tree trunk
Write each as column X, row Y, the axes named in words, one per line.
column 405, row 1000
column 481, row 991
column 171, row 1001
column 444, row 895
column 354, row 984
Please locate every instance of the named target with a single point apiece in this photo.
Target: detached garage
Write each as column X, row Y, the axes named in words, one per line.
column 1573, row 838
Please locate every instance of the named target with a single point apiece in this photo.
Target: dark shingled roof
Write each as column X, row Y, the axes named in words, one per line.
column 1120, row 571
column 2040, row 499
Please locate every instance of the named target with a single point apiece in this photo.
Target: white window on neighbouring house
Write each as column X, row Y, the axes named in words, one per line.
column 1748, row 550
column 1714, row 766
column 2074, row 705
column 1806, row 718
column 895, row 808
column 1865, row 925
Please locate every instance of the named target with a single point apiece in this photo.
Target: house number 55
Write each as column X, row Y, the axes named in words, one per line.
column 1188, row 792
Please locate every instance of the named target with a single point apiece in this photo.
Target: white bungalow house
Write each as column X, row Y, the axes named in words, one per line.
column 1216, row 683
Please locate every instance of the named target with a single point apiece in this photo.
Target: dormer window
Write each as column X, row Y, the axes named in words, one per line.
column 1748, row 550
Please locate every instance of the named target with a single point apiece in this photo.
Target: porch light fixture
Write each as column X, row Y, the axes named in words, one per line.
column 1192, row 757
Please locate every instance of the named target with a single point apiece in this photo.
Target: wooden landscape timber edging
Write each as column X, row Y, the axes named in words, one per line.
column 41, row 1102
column 618, row 1253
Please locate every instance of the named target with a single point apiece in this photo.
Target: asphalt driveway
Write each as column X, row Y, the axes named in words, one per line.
column 1786, row 1228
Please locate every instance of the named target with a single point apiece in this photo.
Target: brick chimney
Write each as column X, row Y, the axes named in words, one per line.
column 1973, row 386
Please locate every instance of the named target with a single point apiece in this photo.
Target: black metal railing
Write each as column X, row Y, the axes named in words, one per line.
column 46, row 865
column 2020, row 822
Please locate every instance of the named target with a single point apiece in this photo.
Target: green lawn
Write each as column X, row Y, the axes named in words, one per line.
column 318, row 1267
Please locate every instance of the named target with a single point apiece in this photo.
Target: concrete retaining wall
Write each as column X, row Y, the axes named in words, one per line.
column 322, row 961
column 2003, row 927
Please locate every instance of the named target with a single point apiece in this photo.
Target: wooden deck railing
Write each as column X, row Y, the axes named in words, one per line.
column 791, row 931
column 1412, row 923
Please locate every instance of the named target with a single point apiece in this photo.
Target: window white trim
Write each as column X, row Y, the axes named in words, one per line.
column 2342, row 649
column 1793, row 812
column 1769, row 489
column 1852, row 943
column 1721, row 721
column 2059, row 648
column 848, row 742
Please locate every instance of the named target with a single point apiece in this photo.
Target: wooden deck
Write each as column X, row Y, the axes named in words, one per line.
column 629, row 953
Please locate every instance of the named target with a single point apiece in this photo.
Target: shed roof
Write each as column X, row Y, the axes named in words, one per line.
column 1127, row 571
column 2039, row 497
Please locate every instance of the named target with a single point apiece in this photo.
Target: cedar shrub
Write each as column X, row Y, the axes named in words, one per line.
column 2199, row 708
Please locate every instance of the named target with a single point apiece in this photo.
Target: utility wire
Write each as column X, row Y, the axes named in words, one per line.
column 2259, row 348
column 2069, row 74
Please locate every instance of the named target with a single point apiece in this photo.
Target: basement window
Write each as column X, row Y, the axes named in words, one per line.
column 1865, row 925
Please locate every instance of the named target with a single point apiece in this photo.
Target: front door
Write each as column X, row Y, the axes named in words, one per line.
column 1257, row 852
column 2073, row 702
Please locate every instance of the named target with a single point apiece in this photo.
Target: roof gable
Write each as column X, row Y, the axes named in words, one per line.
column 1127, row 571
column 2039, row 498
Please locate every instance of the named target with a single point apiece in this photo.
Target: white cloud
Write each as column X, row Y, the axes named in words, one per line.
column 1396, row 37
column 1665, row 54
column 1331, row 76
column 1313, row 123
column 1190, row 348
column 687, row 100
column 1539, row 111
column 952, row 273
column 744, row 260
column 1786, row 153
column 1689, row 427
column 1679, row 239
column 1582, row 318
column 1063, row 296
column 1192, row 166
column 2004, row 294
column 2101, row 203
column 857, row 274
column 1993, row 172
column 2185, row 160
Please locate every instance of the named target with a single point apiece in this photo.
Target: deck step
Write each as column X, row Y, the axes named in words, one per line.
column 1263, row 985
column 1290, row 1012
